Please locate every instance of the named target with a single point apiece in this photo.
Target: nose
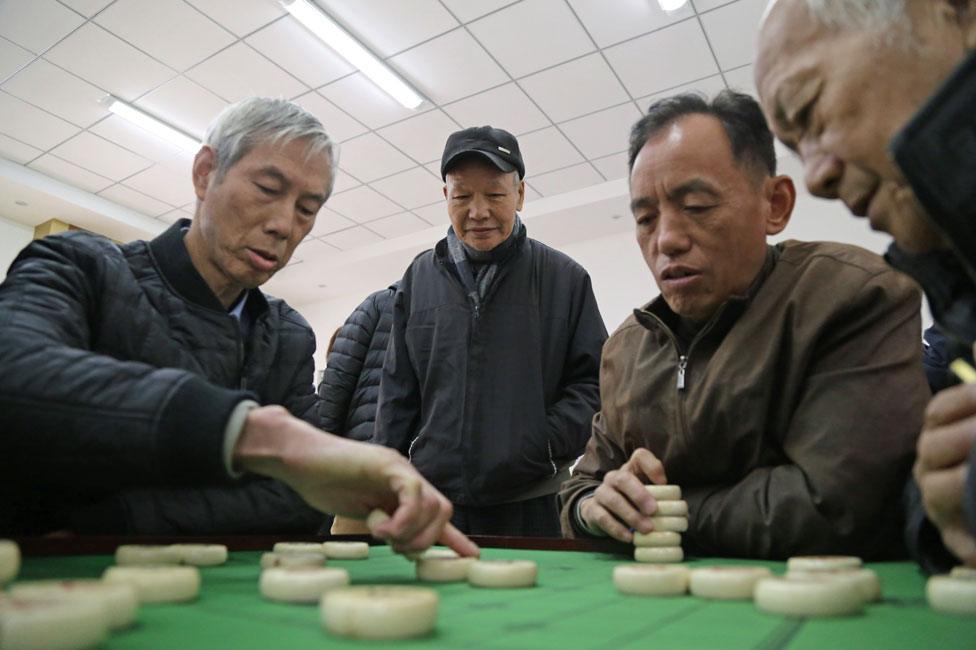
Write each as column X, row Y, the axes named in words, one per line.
column 672, row 233
column 822, row 171
column 478, row 209
column 280, row 220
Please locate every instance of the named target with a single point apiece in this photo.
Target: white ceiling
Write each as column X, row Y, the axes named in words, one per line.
column 569, row 77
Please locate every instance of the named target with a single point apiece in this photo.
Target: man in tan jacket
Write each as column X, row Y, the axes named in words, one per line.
column 780, row 386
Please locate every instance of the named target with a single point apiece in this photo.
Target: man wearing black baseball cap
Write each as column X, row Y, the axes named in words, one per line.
column 491, row 375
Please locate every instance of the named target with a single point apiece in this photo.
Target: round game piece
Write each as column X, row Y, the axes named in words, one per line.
column 272, row 559
column 158, row 584
column 145, row 555
column 443, row 569
column 437, row 552
column 952, row 595
column 657, row 538
column 56, row 624
column 671, row 509
column 301, row 584
column 650, row 579
column 823, row 562
column 674, row 524
column 380, row 612
column 201, row 554
column 808, row 598
column 502, row 574
column 346, row 550
column 664, row 492
column 119, row 601
column 726, row 582
column 299, row 547
column 865, row 580
column 961, row 572
column 9, row 561
column 375, row 518
column 659, row 554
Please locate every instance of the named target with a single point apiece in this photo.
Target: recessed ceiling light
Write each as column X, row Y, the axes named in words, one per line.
column 323, row 286
column 154, row 125
column 672, row 5
column 19, row 202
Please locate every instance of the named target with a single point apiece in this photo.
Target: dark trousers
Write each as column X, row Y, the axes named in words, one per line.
column 536, row 517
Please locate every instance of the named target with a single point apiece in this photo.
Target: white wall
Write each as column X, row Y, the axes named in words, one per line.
column 13, row 237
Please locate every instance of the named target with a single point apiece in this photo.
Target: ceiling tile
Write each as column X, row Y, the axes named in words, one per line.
column 172, row 32
column 352, row 238
column 612, row 167
column 545, row 151
column 147, row 145
column 72, row 174
column 506, row 107
column 163, row 184
column 12, row 58
column 742, row 79
column 732, row 31
column 310, row 250
column 363, row 204
column 106, row 61
column 337, row 124
column 411, row 189
column 575, row 88
column 682, row 46
column 175, row 215
column 328, row 221
column 434, row 214
column 87, row 7
column 398, row 225
column 709, row 87
column 530, row 193
column 566, row 180
column 390, row 26
column 240, row 16
column 507, row 32
column 32, row 125
column 136, row 200
column 466, row 11
column 612, row 22
column 359, row 97
column 58, row 92
column 183, row 104
column 17, row 151
column 100, row 156
column 290, row 45
column 368, row 157
column 240, row 72
column 707, row 5
column 602, row 133
column 449, row 67
column 344, row 180
column 422, row 137
column 36, row 24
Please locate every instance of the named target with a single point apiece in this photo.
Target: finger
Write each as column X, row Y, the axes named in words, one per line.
column 408, row 516
column 633, row 490
column 437, row 512
column 942, row 493
column 646, row 465
column 454, row 539
column 951, row 404
column 616, row 504
column 599, row 517
column 947, row 445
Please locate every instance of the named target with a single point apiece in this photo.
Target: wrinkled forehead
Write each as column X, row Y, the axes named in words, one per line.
column 790, row 41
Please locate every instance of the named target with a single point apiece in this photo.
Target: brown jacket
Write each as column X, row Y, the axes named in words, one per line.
column 795, row 429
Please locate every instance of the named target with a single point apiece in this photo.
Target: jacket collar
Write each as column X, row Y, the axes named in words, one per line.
column 173, row 261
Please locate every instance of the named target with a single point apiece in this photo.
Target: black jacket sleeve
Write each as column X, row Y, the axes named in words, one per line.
column 398, row 409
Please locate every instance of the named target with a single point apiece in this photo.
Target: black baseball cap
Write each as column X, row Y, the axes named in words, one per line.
column 497, row 145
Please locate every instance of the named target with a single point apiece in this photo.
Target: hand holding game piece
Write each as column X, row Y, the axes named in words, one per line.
column 623, row 497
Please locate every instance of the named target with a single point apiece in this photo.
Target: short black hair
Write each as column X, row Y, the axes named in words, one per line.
column 739, row 114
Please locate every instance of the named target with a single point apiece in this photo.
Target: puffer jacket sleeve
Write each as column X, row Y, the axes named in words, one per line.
column 345, row 364
column 398, row 409
column 69, row 414
column 302, row 400
column 850, row 442
column 603, row 454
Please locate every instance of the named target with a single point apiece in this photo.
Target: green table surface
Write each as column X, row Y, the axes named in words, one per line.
column 574, row 605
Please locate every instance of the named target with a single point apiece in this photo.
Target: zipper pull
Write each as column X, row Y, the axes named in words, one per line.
column 682, row 365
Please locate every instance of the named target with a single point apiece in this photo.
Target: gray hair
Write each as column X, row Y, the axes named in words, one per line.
column 858, row 14
column 258, row 120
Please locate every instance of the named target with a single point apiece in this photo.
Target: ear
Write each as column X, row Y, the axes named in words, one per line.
column 445, row 191
column 781, row 197
column 204, row 169
column 967, row 20
column 521, row 196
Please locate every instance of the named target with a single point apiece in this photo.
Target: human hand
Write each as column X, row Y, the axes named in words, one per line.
column 622, row 497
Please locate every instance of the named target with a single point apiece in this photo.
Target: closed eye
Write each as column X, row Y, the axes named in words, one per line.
column 270, row 191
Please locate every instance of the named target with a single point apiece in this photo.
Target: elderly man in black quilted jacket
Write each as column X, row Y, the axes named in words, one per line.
column 153, row 388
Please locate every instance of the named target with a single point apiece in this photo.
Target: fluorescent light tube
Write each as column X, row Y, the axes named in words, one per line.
column 156, row 127
column 672, row 5
column 333, row 35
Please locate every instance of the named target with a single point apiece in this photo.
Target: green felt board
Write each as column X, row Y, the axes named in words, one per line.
column 573, row 606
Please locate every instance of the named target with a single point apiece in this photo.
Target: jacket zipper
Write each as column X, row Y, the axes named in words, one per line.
column 682, row 366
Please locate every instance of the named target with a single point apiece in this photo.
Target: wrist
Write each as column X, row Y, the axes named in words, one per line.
column 269, row 441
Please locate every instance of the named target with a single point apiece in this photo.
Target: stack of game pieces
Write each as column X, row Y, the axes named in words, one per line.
column 663, row 544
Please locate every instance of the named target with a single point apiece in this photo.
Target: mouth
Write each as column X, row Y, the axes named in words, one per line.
column 677, row 273
column 261, row 259
column 861, row 205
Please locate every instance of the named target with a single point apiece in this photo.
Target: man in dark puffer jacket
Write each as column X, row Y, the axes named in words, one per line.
column 132, row 375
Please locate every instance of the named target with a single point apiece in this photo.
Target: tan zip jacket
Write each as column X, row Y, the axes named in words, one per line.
column 789, row 422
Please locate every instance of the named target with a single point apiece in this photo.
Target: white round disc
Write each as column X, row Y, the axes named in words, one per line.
column 301, row 584
column 726, row 582
column 664, row 492
column 380, row 612
column 963, row 572
column 674, row 524
column 865, row 580
column 503, row 574
column 9, row 561
column 657, row 538
column 808, row 598
column 55, row 624
column 952, row 595
column 299, row 547
column 146, row 555
column 271, row 559
column 119, row 601
column 671, row 509
column 659, row 554
column 823, row 562
column 346, row 550
column 437, row 552
column 201, row 554
column 158, row 584
column 650, row 579
column 444, row 569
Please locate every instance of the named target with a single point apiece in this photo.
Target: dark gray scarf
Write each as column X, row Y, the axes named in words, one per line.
column 477, row 269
